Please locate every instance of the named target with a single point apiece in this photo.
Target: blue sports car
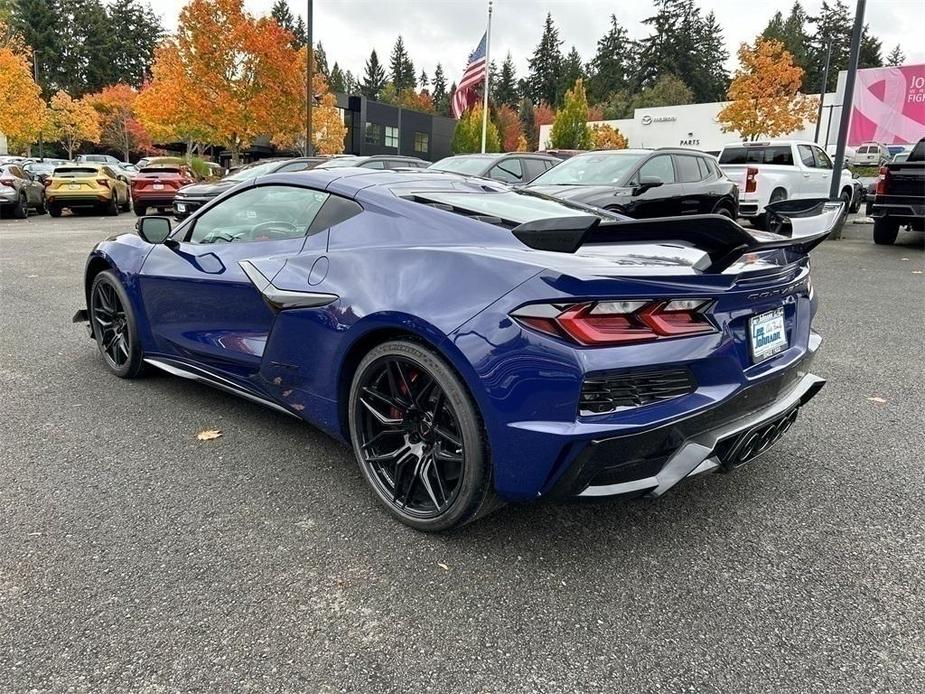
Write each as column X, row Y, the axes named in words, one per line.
column 474, row 343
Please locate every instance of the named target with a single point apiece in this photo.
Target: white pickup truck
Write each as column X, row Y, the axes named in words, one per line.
column 768, row 172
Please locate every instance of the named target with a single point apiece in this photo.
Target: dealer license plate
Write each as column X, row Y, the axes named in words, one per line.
column 767, row 335
column 158, row 186
column 76, row 186
column 181, row 207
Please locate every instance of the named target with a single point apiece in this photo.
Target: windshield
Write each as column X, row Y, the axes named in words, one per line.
column 341, row 162
column 591, row 169
column 254, row 171
column 771, row 154
column 471, row 166
column 918, row 152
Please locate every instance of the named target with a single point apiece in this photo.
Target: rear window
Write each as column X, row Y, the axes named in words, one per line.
column 770, row 154
column 918, row 152
column 76, row 171
column 160, row 170
column 510, row 206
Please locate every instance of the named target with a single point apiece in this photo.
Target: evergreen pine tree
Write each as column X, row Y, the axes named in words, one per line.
column 571, row 71
column 39, row 23
column 374, row 78
column 713, row 78
column 337, row 82
column 423, row 81
column 896, row 57
column 528, row 121
column 321, row 61
column 135, row 34
column 283, row 15
column 870, row 52
column 504, row 90
column 401, row 69
column 610, row 67
column 439, row 90
column 545, row 65
column 299, row 33
column 833, row 25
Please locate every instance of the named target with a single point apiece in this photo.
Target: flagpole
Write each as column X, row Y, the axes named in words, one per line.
column 487, row 64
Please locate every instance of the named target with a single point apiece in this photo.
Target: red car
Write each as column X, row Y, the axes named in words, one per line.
column 155, row 186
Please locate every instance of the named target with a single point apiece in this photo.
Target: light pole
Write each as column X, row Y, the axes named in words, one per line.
column 309, row 97
column 847, row 100
column 822, row 88
column 35, row 76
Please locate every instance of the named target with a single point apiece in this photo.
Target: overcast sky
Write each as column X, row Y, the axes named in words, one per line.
column 446, row 31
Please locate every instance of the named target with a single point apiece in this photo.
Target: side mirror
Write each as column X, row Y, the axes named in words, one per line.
column 153, row 229
column 647, row 183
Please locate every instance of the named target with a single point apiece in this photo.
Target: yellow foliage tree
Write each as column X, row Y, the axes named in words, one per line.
column 328, row 129
column 522, row 144
column 72, row 122
column 607, row 137
column 765, row 93
column 22, row 110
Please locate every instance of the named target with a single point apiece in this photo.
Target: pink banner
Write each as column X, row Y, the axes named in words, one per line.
column 889, row 106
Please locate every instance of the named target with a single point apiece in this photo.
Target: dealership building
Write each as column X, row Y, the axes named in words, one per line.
column 889, row 107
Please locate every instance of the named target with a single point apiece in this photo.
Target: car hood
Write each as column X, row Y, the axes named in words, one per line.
column 207, row 190
column 590, row 195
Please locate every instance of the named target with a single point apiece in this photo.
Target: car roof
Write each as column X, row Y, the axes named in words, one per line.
column 351, row 180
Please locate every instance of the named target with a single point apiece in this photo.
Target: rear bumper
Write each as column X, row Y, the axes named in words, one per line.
column 184, row 207
column 81, row 200
column 905, row 210
column 721, row 437
column 152, row 199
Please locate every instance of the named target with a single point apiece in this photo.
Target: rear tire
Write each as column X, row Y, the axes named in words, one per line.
column 127, row 205
column 140, row 209
column 418, row 438
column 761, row 221
column 724, row 211
column 885, row 231
column 112, row 207
column 54, row 210
column 21, row 211
column 114, row 326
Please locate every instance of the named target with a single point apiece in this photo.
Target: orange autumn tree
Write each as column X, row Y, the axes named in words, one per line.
column 509, row 128
column 22, row 110
column 170, row 108
column 120, row 130
column 72, row 122
column 765, row 93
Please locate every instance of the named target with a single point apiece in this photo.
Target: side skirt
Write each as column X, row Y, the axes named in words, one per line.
column 198, row 374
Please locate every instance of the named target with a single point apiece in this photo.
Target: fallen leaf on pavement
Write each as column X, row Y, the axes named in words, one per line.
column 876, row 399
column 443, row 566
column 209, row 434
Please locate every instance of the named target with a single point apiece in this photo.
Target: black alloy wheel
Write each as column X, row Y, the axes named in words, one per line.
column 418, row 439
column 114, row 328
column 21, row 211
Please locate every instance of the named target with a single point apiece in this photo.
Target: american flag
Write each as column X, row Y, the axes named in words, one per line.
column 474, row 73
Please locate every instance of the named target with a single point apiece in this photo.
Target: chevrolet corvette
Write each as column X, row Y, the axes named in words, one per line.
column 475, row 344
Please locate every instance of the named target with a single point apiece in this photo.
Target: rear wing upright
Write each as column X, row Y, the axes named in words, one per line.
column 804, row 224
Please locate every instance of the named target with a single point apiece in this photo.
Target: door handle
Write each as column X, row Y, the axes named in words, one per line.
column 806, row 175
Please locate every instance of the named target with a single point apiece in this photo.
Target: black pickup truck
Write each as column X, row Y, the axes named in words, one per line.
column 900, row 197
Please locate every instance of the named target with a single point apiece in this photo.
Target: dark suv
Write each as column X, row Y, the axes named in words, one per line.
column 514, row 167
column 643, row 183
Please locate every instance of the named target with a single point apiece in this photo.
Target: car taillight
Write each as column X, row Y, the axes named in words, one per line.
column 7, row 181
column 617, row 322
column 882, row 180
column 103, row 182
column 46, row 182
column 751, row 185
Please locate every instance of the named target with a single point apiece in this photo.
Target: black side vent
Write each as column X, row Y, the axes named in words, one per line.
column 603, row 394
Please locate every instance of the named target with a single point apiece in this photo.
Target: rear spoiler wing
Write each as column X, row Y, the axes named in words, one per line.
column 804, row 224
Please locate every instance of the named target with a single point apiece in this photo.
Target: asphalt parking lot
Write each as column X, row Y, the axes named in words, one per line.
column 134, row 558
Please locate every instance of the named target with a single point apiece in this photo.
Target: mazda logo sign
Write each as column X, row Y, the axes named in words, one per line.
column 646, row 120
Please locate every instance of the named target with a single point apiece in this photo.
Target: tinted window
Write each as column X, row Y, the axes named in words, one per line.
column 533, row 168
column 704, row 167
column 517, row 207
column 592, row 169
column 266, row 213
column 375, row 164
column 688, row 170
column 334, row 211
column 659, row 167
column 509, row 170
column 772, row 154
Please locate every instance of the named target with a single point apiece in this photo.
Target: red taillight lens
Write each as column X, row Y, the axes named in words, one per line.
column 103, row 182
column 751, row 184
column 618, row 322
column 47, row 181
column 880, row 189
column 7, row 181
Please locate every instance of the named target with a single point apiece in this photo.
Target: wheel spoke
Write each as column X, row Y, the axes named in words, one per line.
column 446, row 456
column 448, row 437
column 123, row 346
column 385, row 457
column 381, row 418
column 391, row 402
column 427, row 465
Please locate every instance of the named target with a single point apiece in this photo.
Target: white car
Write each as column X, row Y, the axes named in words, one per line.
column 778, row 170
column 871, row 154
